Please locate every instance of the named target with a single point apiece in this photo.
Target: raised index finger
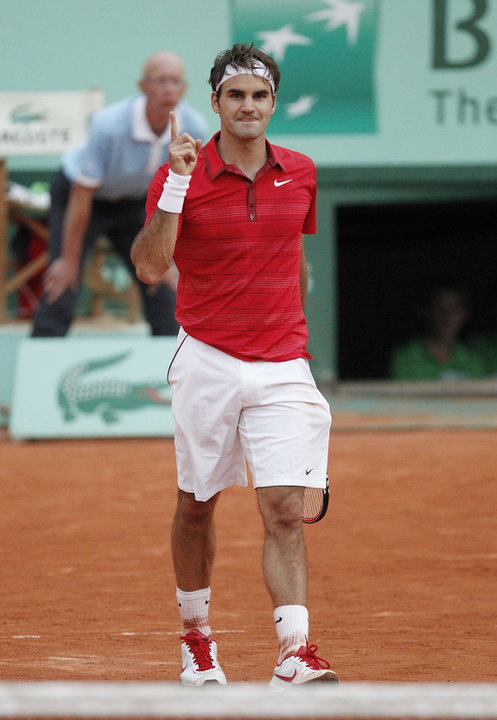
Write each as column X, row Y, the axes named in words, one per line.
column 174, row 126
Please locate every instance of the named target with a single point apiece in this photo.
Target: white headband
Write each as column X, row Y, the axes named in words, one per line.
column 257, row 68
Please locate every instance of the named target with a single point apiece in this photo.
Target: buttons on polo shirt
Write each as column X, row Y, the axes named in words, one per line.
column 251, row 204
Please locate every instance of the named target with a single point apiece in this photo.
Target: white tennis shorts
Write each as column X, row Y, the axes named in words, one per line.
column 227, row 411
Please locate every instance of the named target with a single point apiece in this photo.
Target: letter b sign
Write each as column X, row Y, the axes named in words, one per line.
column 468, row 24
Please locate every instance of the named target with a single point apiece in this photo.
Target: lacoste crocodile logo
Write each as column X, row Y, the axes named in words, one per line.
column 106, row 397
column 25, row 114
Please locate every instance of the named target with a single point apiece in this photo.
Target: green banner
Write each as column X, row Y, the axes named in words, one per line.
column 326, row 53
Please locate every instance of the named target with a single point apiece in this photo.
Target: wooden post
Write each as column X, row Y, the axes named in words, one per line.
column 3, row 241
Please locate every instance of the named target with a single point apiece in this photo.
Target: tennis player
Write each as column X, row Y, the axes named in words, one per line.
column 232, row 215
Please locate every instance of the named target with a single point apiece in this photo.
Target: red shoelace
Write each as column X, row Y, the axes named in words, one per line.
column 200, row 647
column 308, row 654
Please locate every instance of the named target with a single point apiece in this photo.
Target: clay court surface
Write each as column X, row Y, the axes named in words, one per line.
column 403, row 569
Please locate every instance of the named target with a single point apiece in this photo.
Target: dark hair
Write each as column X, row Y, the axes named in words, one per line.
column 444, row 283
column 244, row 56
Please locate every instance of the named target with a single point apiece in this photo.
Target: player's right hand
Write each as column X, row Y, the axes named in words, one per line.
column 60, row 276
column 183, row 150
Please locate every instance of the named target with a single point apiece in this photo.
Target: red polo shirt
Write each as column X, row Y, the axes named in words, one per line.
column 238, row 253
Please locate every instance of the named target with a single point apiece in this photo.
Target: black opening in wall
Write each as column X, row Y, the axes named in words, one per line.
column 387, row 254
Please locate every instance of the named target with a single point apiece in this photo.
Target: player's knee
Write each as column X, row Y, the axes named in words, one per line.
column 282, row 511
column 192, row 511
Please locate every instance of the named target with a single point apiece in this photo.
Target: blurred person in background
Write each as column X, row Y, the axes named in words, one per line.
column 439, row 352
column 484, row 341
column 100, row 190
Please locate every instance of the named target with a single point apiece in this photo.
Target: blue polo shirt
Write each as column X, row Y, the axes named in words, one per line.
column 122, row 153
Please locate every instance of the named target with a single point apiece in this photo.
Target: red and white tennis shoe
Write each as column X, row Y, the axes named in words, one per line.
column 304, row 666
column 199, row 660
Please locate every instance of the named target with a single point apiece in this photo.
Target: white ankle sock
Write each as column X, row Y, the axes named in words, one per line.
column 194, row 609
column 292, row 627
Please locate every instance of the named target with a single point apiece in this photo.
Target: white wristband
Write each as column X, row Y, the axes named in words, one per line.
column 174, row 192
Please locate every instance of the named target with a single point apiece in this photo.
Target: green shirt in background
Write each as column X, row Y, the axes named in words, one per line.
column 413, row 361
column 485, row 346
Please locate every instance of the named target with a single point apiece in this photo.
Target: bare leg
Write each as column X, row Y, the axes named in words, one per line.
column 193, row 542
column 193, row 548
column 284, row 554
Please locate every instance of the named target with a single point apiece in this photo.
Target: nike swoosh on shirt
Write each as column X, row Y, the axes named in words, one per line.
column 278, row 183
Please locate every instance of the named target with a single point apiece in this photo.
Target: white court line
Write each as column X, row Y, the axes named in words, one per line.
column 176, row 632
column 74, row 658
column 132, row 633
column 248, row 700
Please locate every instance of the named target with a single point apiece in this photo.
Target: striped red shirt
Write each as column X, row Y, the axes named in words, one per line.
column 238, row 253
